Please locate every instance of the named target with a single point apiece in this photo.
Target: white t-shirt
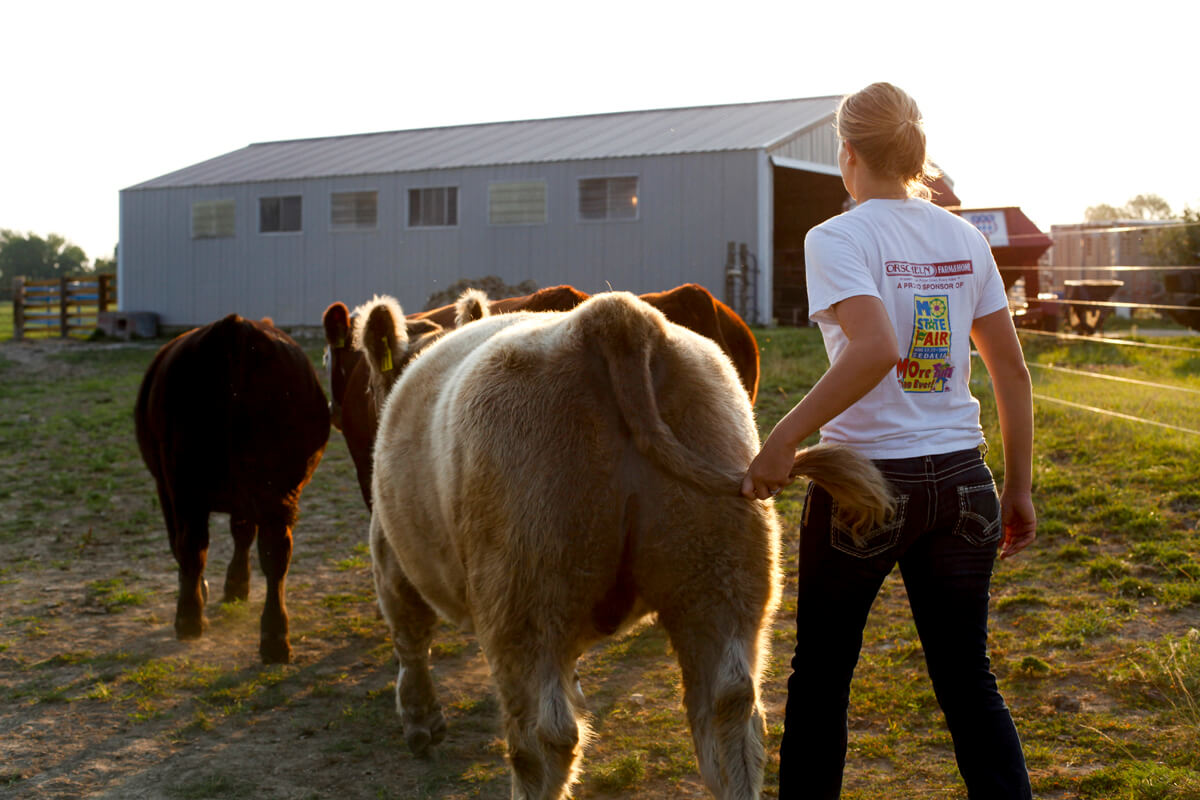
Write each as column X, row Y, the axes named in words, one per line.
column 935, row 274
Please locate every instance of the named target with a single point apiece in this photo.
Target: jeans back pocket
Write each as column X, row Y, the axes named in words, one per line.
column 978, row 513
column 872, row 542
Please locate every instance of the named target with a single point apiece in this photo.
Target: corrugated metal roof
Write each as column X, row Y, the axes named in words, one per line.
column 744, row 126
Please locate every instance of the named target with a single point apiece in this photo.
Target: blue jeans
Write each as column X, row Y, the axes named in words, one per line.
column 944, row 536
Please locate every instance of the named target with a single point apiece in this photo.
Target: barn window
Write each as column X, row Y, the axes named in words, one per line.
column 279, row 214
column 517, row 203
column 432, row 207
column 608, row 198
column 354, row 210
column 212, row 219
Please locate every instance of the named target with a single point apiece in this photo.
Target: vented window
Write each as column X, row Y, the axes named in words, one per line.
column 212, row 219
column 608, row 198
column 517, row 203
column 279, row 214
column 353, row 211
column 433, row 207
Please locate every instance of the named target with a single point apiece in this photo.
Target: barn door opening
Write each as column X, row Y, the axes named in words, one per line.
column 806, row 194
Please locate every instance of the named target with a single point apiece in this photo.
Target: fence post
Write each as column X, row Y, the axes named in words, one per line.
column 63, row 329
column 18, row 308
column 103, row 292
column 732, row 276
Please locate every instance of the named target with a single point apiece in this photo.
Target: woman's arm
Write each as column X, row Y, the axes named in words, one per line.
column 996, row 339
column 871, row 353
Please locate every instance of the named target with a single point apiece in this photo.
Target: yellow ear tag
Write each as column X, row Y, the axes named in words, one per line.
column 387, row 357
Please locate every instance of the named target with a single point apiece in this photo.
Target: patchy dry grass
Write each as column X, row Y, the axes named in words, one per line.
column 1092, row 631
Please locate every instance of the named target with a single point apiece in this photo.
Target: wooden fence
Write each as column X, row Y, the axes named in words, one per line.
column 61, row 305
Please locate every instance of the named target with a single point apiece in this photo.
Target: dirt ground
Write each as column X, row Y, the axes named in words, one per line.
column 102, row 701
column 99, row 700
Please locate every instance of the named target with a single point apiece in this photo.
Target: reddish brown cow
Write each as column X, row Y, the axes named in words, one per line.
column 554, row 298
column 231, row 418
column 694, row 307
column 689, row 305
column 352, row 409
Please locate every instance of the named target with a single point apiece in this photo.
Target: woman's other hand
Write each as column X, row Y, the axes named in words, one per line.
column 1019, row 520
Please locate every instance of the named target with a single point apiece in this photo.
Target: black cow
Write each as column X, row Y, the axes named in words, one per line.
column 231, row 418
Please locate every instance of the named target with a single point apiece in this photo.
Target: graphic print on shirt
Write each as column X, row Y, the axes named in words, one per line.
column 927, row 366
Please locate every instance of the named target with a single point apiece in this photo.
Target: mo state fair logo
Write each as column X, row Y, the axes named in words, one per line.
column 927, row 367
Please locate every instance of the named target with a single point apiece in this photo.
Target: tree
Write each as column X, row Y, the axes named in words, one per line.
column 1142, row 206
column 31, row 256
column 1149, row 207
column 1177, row 245
column 106, row 266
column 1102, row 213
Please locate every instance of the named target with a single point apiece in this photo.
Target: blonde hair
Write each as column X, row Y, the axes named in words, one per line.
column 884, row 126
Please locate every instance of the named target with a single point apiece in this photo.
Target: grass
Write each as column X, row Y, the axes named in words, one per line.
column 112, row 595
column 1092, row 632
column 1112, row 581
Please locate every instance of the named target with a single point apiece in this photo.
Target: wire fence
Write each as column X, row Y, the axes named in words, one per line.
column 1155, row 390
column 1073, row 337
column 1072, row 298
column 1085, row 310
column 1115, row 414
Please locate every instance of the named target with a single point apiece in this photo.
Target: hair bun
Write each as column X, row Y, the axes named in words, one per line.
column 885, row 127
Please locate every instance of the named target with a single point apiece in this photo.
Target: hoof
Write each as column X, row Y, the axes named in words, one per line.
column 420, row 736
column 193, row 628
column 418, row 741
column 275, row 651
column 236, row 594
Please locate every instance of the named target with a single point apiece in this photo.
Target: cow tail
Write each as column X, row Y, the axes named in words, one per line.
column 627, row 343
column 471, row 305
column 862, row 493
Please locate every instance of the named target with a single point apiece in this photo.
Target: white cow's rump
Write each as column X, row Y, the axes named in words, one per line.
column 547, row 479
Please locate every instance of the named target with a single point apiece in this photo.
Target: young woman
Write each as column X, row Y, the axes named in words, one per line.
column 899, row 288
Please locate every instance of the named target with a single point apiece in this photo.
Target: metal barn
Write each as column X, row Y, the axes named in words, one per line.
column 642, row 201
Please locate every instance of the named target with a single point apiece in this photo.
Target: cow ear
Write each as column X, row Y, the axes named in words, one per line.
column 417, row 328
column 384, row 341
column 336, row 320
column 470, row 306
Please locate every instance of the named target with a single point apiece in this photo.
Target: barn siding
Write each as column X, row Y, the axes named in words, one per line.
column 818, row 144
column 690, row 205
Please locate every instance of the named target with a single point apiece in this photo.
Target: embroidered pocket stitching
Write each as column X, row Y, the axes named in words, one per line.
column 877, row 540
column 989, row 528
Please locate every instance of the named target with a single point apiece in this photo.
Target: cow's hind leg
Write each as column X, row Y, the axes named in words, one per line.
column 542, row 706
column 712, row 576
column 717, row 656
column 274, row 556
column 190, row 546
column 411, row 622
column 237, row 575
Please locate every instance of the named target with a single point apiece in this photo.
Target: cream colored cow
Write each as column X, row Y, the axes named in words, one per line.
column 547, row 480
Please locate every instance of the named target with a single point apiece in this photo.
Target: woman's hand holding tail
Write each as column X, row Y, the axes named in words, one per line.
column 770, row 471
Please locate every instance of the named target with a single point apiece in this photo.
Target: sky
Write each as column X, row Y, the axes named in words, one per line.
column 1052, row 106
